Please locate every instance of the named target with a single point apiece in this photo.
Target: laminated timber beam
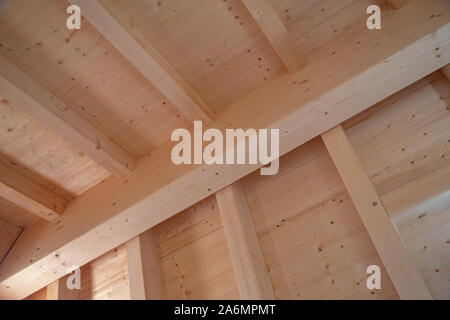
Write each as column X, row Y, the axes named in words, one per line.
column 329, row 90
column 404, row 274
column 30, row 96
column 273, row 28
column 248, row 262
column 143, row 267
column 27, row 194
column 135, row 47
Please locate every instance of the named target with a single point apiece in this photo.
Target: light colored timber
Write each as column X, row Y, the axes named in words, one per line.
column 30, row 96
column 401, row 268
column 275, row 31
column 29, row 195
column 246, row 255
column 446, row 71
column 143, row 267
column 110, row 22
column 397, row 4
column 8, row 235
column 337, row 87
column 422, row 196
column 58, row 290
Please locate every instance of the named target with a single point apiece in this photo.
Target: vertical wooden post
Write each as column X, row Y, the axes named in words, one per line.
column 246, row 255
column 143, row 267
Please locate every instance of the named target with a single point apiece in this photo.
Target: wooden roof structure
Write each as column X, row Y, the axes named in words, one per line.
column 86, row 179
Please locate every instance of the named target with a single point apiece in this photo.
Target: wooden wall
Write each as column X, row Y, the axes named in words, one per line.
column 313, row 241
column 404, row 146
column 195, row 263
column 312, row 238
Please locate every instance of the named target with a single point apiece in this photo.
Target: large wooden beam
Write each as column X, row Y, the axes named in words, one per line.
column 303, row 105
column 29, row 95
column 248, row 262
column 401, row 268
column 29, row 195
column 135, row 47
column 275, row 31
column 143, row 267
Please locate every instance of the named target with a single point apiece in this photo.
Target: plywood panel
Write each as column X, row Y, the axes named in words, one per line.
column 313, row 240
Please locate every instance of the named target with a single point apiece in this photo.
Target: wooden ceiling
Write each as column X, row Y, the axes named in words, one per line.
column 88, row 74
column 218, row 58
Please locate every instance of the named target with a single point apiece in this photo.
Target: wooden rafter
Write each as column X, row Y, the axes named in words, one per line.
column 109, row 21
column 248, row 262
column 275, row 31
column 29, row 195
column 143, row 267
column 401, row 268
column 302, row 105
column 30, row 96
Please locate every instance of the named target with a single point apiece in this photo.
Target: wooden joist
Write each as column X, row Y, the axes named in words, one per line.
column 302, row 105
column 248, row 262
column 273, row 28
column 135, row 47
column 143, row 267
column 26, row 193
column 403, row 272
column 30, row 96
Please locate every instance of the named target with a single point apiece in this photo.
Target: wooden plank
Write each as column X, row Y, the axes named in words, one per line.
column 29, row 195
column 403, row 272
column 143, row 267
column 339, row 86
column 275, row 31
column 397, row 4
column 246, row 255
column 19, row 88
column 134, row 46
column 58, row 290
column 8, row 235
